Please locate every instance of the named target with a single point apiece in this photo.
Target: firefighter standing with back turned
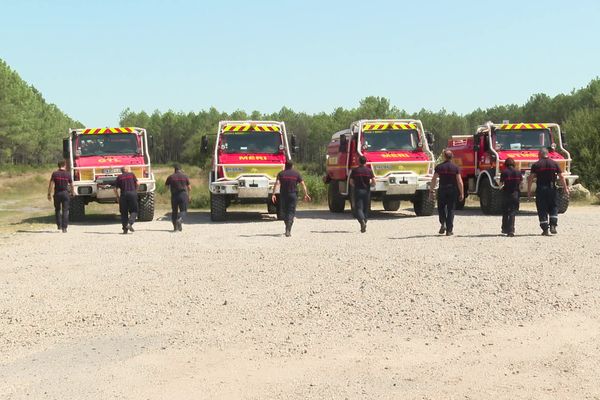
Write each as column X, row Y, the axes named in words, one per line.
column 179, row 183
column 63, row 189
column 288, row 180
column 451, row 187
column 127, row 185
column 361, row 179
column 546, row 170
column 511, row 179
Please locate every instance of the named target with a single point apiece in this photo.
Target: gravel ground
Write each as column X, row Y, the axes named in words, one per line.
column 236, row 310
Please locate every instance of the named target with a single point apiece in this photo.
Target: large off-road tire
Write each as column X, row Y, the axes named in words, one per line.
column 461, row 204
column 423, row 203
column 146, row 207
column 271, row 207
column 279, row 209
column 562, row 201
column 218, row 207
column 76, row 209
column 490, row 199
column 391, row 205
column 335, row 200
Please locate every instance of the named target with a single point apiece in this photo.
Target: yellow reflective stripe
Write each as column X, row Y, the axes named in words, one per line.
column 249, row 127
column 393, row 126
column 523, row 126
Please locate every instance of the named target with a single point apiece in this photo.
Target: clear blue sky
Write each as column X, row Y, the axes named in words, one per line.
column 95, row 58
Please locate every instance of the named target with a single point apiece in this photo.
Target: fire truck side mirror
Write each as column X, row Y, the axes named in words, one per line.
column 151, row 141
column 294, row 144
column 476, row 142
column 204, row 144
column 66, row 155
column 430, row 138
column 343, row 144
column 563, row 137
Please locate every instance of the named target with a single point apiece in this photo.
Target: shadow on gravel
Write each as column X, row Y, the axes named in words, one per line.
column 330, row 232
column 498, row 235
column 27, row 231
column 374, row 214
column 476, row 212
column 91, row 219
column 415, row 237
column 262, row 235
column 103, row 233
column 43, row 219
column 233, row 217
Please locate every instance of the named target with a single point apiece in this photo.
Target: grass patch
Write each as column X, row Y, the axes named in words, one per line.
column 316, row 188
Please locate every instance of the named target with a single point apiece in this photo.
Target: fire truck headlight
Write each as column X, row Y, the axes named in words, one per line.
column 84, row 190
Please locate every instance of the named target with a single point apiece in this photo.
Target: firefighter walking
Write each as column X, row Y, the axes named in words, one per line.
column 450, row 190
column 63, row 190
column 126, row 192
column 361, row 179
column 287, row 182
column 180, row 187
column 545, row 171
column 511, row 180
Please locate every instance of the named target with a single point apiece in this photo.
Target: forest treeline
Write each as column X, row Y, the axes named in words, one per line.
column 31, row 130
column 177, row 135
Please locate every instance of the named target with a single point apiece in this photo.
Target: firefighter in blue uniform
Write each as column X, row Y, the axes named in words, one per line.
column 63, row 190
column 287, row 181
column 449, row 191
column 511, row 180
column 545, row 171
column 126, row 191
column 361, row 180
column 179, row 183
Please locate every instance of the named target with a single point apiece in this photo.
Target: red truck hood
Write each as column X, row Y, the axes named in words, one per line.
column 107, row 161
column 236, row 159
column 527, row 155
column 233, row 166
column 395, row 156
column 387, row 162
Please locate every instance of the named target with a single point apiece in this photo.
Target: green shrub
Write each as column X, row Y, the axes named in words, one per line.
column 200, row 199
column 160, row 186
column 316, row 188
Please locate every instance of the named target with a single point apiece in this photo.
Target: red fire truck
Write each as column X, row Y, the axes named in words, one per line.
column 247, row 157
column 481, row 158
column 95, row 157
column 398, row 153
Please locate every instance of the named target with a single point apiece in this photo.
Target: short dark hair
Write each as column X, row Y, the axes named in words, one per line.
column 61, row 164
column 509, row 162
column 362, row 160
column 177, row 167
column 448, row 154
column 289, row 164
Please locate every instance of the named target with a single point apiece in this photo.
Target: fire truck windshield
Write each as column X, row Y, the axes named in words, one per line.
column 251, row 142
column 96, row 145
column 391, row 140
column 522, row 139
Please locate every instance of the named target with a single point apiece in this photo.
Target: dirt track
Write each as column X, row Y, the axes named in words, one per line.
column 226, row 311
